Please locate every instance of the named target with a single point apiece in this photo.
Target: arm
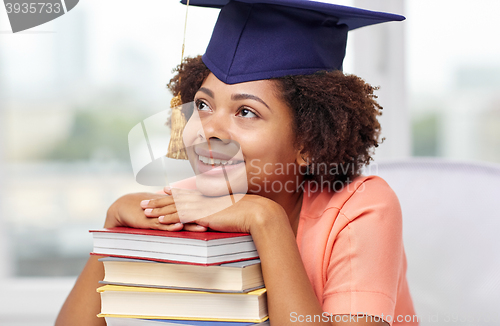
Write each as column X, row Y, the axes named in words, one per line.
column 368, row 250
column 84, row 303
column 288, row 286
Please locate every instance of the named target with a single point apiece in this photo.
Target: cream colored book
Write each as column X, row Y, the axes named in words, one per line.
column 155, row 303
column 242, row 276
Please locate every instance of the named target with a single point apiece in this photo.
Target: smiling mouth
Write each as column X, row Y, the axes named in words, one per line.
column 217, row 162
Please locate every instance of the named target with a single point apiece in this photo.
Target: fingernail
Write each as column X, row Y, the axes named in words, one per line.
column 144, row 203
column 179, row 224
column 167, row 188
column 161, row 218
column 148, row 211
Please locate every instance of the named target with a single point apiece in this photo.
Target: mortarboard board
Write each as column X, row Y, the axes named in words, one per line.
column 262, row 39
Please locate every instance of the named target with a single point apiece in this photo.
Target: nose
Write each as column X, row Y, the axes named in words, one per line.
column 216, row 127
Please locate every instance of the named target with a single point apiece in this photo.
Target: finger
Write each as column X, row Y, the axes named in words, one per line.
column 157, row 212
column 169, row 219
column 168, row 227
column 156, row 225
column 168, row 190
column 193, row 227
column 157, row 202
column 174, row 227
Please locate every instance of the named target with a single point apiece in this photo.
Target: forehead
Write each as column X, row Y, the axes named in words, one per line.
column 267, row 89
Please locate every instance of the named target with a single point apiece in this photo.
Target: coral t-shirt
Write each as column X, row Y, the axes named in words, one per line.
column 351, row 244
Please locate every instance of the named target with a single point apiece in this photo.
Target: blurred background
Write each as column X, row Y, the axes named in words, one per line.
column 71, row 90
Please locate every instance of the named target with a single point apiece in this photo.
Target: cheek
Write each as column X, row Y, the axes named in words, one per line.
column 189, row 138
column 271, row 152
column 190, row 131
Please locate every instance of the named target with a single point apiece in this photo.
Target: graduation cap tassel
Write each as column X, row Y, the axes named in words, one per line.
column 176, row 149
column 178, row 121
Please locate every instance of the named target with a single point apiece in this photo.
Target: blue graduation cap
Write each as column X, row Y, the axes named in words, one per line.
column 262, row 39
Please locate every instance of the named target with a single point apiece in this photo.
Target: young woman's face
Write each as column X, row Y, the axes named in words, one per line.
column 243, row 135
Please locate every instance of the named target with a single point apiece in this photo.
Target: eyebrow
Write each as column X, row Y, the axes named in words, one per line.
column 238, row 97
column 207, row 91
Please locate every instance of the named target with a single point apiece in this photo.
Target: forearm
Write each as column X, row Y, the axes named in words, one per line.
column 127, row 211
column 126, row 205
column 288, row 287
column 84, row 303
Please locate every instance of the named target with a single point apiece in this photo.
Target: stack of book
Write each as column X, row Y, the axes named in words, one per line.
column 164, row 278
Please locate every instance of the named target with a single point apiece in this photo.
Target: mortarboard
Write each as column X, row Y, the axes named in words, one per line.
column 262, row 39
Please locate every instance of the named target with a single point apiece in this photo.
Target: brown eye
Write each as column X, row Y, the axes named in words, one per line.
column 246, row 113
column 202, row 106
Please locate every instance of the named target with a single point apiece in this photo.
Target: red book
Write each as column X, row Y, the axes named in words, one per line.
column 199, row 248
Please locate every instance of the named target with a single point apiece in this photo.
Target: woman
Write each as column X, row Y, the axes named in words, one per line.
column 330, row 240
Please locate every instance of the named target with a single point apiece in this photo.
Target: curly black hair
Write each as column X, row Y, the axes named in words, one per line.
column 335, row 117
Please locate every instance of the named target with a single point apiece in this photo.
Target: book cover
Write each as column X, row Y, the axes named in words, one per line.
column 155, row 303
column 204, row 248
column 243, row 276
column 202, row 236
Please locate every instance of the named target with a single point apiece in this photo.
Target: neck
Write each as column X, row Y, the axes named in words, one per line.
column 292, row 203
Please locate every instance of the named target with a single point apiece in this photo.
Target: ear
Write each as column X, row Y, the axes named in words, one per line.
column 302, row 158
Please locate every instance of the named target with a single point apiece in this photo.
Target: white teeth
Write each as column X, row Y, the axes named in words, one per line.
column 211, row 161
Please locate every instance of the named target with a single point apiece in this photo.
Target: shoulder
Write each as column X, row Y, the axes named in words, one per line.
column 344, row 236
column 372, row 194
column 351, row 199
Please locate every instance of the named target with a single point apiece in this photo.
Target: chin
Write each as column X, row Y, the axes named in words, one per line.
column 217, row 185
column 211, row 187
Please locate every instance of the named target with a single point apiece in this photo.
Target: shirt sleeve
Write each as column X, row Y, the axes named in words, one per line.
column 367, row 255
